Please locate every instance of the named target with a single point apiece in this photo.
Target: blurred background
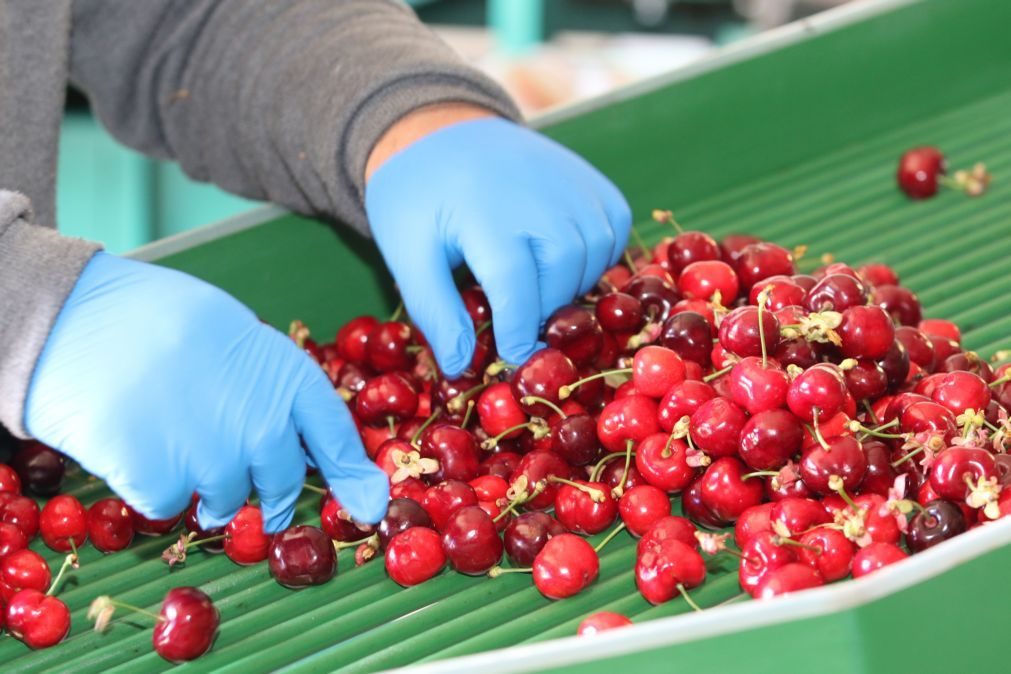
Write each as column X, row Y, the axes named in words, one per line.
column 547, row 53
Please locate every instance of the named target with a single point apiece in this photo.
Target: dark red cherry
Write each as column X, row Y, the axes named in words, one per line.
column 565, row 566
column 866, row 332
column 574, row 331
column 619, row 312
column 690, row 335
column 843, row 457
column 970, row 362
column 704, row 279
column 688, row 247
column 386, row 396
column 955, row 466
column 574, row 438
column 662, row 568
column 919, row 348
column 192, row 523
column 188, row 625
column 501, row 464
column 401, row 515
column 697, row 510
column 919, row 170
column 725, row 493
column 386, row 347
column 937, row 522
column 880, row 475
column 471, row 542
column 63, row 519
column 901, row 304
column 759, row 261
column 896, row 365
column 353, row 338
column 876, row 556
column 732, row 245
column 866, row 380
column 716, row 426
column 110, row 527
column 301, row 556
column 455, row 449
column 445, row 498
column 740, row 334
column 797, row 352
column 836, row 292
column 544, row 373
column 36, row 619
column 614, row 472
column 40, row 468
column 769, row 439
column 526, row 535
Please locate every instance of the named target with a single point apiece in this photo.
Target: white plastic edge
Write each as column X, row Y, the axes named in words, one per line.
column 721, row 620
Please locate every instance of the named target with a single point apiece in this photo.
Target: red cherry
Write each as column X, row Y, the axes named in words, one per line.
column 760, row 555
column 671, row 527
column 833, row 553
column 63, row 519
column 9, row 480
column 919, row 170
column 866, row 380
column 655, row 370
column 821, row 388
column 663, row 463
column 769, row 439
column 193, row 526
column 690, row 335
column 732, row 245
column 955, row 465
column 619, row 312
column 498, row 410
column 753, row 521
column 386, row 396
column 411, row 488
column 188, row 625
column 725, row 493
column 455, row 449
column 353, row 338
column 643, row 506
column 40, row 468
column 401, row 514
column 414, row 556
column 38, row 620
column 716, row 426
column 740, row 333
column 959, row 391
column 706, row 278
column 633, row 418
column 843, row 457
column 445, row 498
column 471, row 542
column 759, row 261
column 783, row 291
column 788, row 578
column 246, row 543
column 923, row 416
column 866, row 332
column 544, row 373
column 759, row 387
column 11, row 540
column 301, row 556
column 682, row 400
column 656, row 295
column 689, row 247
column 386, row 347
column 565, row 566
column 614, row 472
column 489, row 487
column 601, row 621
column 574, row 331
column 585, row 513
column 941, row 328
column 146, row 527
column 880, row 475
column 575, row 439
column 793, row 516
column 697, row 510
column 901, row 304
column 23, row 570
column 526, row 535
column 875, row 556
column 20, row 511
column 110, row 526
column 661, row 568
column 878, row 274
column 836, row 292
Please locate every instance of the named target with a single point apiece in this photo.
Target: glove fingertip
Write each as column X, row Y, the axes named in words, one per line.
column 365, row 495
column 277, row 518
column 212, row 520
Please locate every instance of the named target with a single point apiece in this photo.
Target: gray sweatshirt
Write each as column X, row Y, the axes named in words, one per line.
column 280, row 100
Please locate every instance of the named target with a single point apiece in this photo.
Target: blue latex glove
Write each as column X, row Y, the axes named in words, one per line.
column 535, row 223
column 163, row 385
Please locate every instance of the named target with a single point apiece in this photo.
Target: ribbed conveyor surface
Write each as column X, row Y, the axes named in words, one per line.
column 952, row 250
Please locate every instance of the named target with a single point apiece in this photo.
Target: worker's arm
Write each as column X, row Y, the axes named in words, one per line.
column 281, row 101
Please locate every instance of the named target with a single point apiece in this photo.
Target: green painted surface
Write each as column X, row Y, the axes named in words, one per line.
column 800, row 147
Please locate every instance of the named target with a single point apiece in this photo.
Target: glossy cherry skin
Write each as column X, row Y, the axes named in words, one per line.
column 9, row 480
column 471, row 541
column 37, row 620
column 836, row 292
column 23, row 570
column 880, row 475
column 769, row 439
column 663, row 463
column 866, row 380
column 455, row 449
column 682, row 400
column 63, row 518
column 901, row 304
column 643, row 506
column 575, row 439
column 821, row 388
column 740, row 333
column 633, row 418
column 246, row 542
column 565, row 566
column 716, row 426
column 353, row 338
column 670, row 527
column 704, row 279
column 614, row 473
column 752, row 521
column 656, row 295
column 401, row 514
column 875, row 556
column 188, row 626
column 688, row 247
column 21, row 511
column 919, row 348
column 542, row 375
column 445, row 498
column 110, row 527
column 927, row 416
column 725, row 493
column 867, row 331
column 574, row 331
column 793, row 516
column 40, row 468
column 953, row 465
column 193, row 526
column 757, row 387
column 386, row 347
column 759, row 261
column 788, row 578
column 337, row 524
column 959, row 391
column 941, row 328
column 11, row 539
column 919, row 170
column 301, row 556
column 580, row 513
column 414, row 556
column 662, row 567
column 939, row 521
column 844, row 457
column 601, row 621
column 697, row 510
column 760, row 555
column 690, row 335
column 655, row 369
column 498, row 410
column 619, row 312
column 384, row 396
column 147, row 527
column 732, row 245
column 526, row 535
column 833, row 557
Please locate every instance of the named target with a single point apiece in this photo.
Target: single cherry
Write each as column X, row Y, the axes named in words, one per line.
column 937, row 522
column 63, row 519
column 526, row 535
column 725, row 493
column 690, row 335
column 788, row 578
column 37, row 619
column 414, row 556
column 110, row 526
column 575, row 332
column 384, row 397
column 471, row 542
column 876, row 556
column 643, row 506
column 565, row 566
column 187, row 625
column 40, row 468
column 769, row 439
column 919, row 171
column 664, row 570
column 301, row 556
column 601, row 621
column 245, row 542
column 585, row 508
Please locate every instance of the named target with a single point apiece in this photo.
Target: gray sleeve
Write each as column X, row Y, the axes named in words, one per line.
column 38, row 269
column 279, row 100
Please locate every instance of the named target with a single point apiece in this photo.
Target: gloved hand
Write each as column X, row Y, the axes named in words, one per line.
column 163, row 385
column 535, row 223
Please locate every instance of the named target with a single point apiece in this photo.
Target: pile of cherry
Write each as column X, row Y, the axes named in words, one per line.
column 818, row 414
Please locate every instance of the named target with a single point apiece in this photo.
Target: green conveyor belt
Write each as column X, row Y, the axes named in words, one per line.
column 826, row 149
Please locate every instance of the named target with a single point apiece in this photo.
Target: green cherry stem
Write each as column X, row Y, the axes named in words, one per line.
column 566, row 390
column 531, row 400
column 684, row 593
column 68, row 561
column 428, row 422
column 609, row 537
column 600, row 465
column 717, row 374
column 467, row 414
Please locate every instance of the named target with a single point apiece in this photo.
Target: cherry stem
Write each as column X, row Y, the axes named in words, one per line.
column 876, row 432
column 392, row 423
column 200, row 541
column 599, row 467
column 314, row 488
column 398, row 312
column 484, row 326
column 620, row 489
column 639, row 242
column 342, row 545
column 870, row 411
column 530, row 400
column 520, row 500
column 763, row 297
column 466, row 415
column 455, row 404
column 68, row 561
column 846, row 497
column 492, row 442
column 609, row 537
column 1002, row 380
column 783, row 540
column 566, row 390
column 136, row 609
column 684, row 593
column 817, row 431
column 717, row 374
column 496, row 571
column 595, row 495
column 759, row 473
column 907, row 457
column 629, row 261
column 428, row 422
